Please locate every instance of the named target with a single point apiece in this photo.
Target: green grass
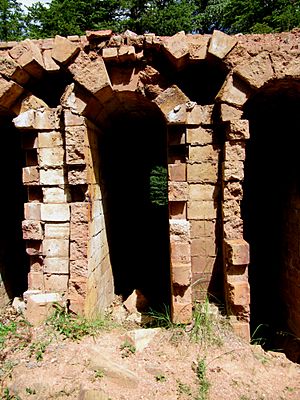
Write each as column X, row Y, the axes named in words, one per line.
column 202, row 380
column 162, row 319
column 74, row 327
column 6, row 395
column 6, row 330
column 127, row 349
column 204, row 323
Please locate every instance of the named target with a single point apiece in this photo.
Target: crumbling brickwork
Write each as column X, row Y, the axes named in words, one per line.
column 102, row 76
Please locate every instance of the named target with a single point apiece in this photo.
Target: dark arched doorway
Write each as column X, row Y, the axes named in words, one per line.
column 132, row 149
column 14, row 264
column 271, row 212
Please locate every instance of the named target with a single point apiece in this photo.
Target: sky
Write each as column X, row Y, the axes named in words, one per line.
column 30, row 2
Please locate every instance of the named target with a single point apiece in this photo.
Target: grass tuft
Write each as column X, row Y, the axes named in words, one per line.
column 72, row 326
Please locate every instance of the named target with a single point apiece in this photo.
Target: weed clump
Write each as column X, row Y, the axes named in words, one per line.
column 72, row 326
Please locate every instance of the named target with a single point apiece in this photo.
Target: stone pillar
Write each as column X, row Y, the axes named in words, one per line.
column 236, row 250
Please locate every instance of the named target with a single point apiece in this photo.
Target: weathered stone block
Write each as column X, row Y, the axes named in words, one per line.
column 206, row 172
column 126, row 53
column 47, row 119
column 233, row 228
column 39, row 306
column 257, row 71
column 110, row 53
column 30, row 176
column 11, row 70
column 229, row 113
column 55, row 195
column 181, row 274
column 231, row 209
column 233, row 171
column 203, row 229
column 57, row 231
column 172, row 104
column 178, row 191
column 80, row 212
column 238, row 130
column 56, row 265
column 202, row 192
column 239, row 293
column 78, row 251
column 99, row 35
column 177, row 49
column 56, row 248
column 75, row 155
column 235, row 151
column 55, row 212
column 242, row 329
column 200, row 154
column 63, row 49
column 177, row 172
column 9, row 92
column 221, row 44
column 32, row 211
column 203, row 247
column 56, row 283
column 233, row 92
column 232, row 191
column 49, row 139
column 50, row 64
column 78, row 176
column 36, row 280
column 51, row 157
column 79, row 231
column 237, row 252
column 201, row 210
column 182, row 313
column 180, row 252
column 29, row 56
column 199, row 136
column 200, row 115
column 198, row 45
column 91, row 73
column 180, row 228
column 52, row 177
column 32, row 230
column 72, row 119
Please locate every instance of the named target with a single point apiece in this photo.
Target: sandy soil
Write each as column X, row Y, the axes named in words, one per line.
column 41, row 364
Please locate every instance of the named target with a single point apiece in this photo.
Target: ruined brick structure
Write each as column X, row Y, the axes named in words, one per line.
column 64, row 103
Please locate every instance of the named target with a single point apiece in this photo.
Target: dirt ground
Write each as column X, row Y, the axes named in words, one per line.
column 38, row 363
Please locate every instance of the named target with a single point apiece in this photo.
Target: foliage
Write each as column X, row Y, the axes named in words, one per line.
column 38, row 349
column 127, row 349
column 159, row 186
column 6, row 330
column 8, row 396
column 71, row 17
column 72, row 326
column 11, row 20
column 161, row 319
column 202, row 379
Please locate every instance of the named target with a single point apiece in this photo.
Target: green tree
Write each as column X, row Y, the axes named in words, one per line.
column 71, row 17
column 11, row 20
column 261, row 16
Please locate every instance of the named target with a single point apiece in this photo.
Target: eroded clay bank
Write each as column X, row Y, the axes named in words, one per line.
column 84, row 122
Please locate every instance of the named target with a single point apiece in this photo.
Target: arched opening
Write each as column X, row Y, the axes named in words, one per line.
column 14, row 264
column 271, row 213
column 133, row 163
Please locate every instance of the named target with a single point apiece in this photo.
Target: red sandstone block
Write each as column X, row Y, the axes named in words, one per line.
column 36, row 263
column 56, row 283
column 242, row 329
column 32, row 230
column 205, row 246
column 237, row 252
column 72, row 119
column 78, row 251
column 36, row 281
column 30, row 176
column 80, row 212
column 182, row 313
column 203, row 264
column 177, row 172
column 178, row 191
column 63, row 49
column 32, row 211
column 180, row 252
column 239, row 293
column 181, row 274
